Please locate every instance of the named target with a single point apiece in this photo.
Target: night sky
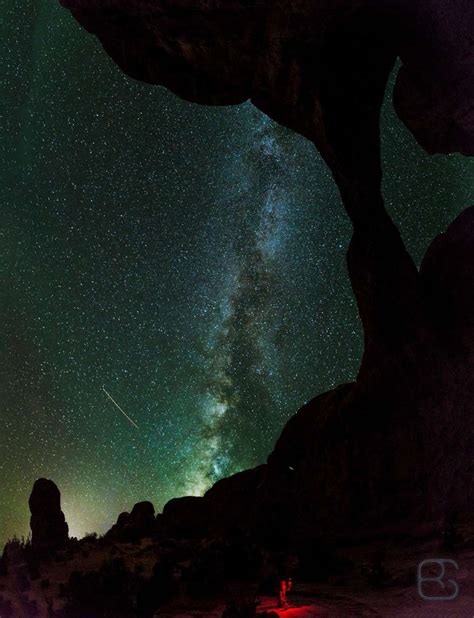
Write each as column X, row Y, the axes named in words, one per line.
column 188, row 259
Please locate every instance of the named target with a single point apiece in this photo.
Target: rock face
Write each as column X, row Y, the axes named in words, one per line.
column 390, row 451
column 317, row 66
column 117, row 530
column 135, row 525
column 142, row 515
column 448, row 275
column 186, row 517
column 49, row 529
column 396, row 446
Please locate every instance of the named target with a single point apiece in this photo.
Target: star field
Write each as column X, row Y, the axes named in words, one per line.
column 189, row 259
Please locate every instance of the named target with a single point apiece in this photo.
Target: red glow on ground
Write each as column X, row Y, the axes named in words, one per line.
column 299, row 611
column 305, row 611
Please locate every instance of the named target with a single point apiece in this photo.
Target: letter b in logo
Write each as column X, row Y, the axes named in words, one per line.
column 430, row 585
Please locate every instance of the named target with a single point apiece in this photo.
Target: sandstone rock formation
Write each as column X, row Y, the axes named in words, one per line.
column 317, row 66
column 186, row 517
column 117, row 529
column 142, row 515
column 49, row 529
column 388, row 452
column 135, row 525
column 396, row 446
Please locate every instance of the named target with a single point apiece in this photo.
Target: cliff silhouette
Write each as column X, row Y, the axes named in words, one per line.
column 397, row 444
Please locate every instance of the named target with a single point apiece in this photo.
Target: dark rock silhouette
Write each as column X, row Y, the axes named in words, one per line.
column 142, row 515
column 388, row 452
column 448, row 274
column 319, row 67
column 49, row 529
column 186, row 517
column 135, row 525
column 396, row 446
column 4, row 561
column 119, row 526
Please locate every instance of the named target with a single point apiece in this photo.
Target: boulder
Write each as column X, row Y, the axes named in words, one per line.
column 139, row 524
column 49, row 529
column 187, row 518
column 119, row 525
column 142, row 517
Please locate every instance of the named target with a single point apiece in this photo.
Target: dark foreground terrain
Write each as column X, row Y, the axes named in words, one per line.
column 180, row 578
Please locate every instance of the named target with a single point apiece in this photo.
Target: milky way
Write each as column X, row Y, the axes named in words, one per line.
column 189, row 259
column 243, row 366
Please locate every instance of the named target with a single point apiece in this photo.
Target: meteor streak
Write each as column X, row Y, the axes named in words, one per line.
column 117, row 405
